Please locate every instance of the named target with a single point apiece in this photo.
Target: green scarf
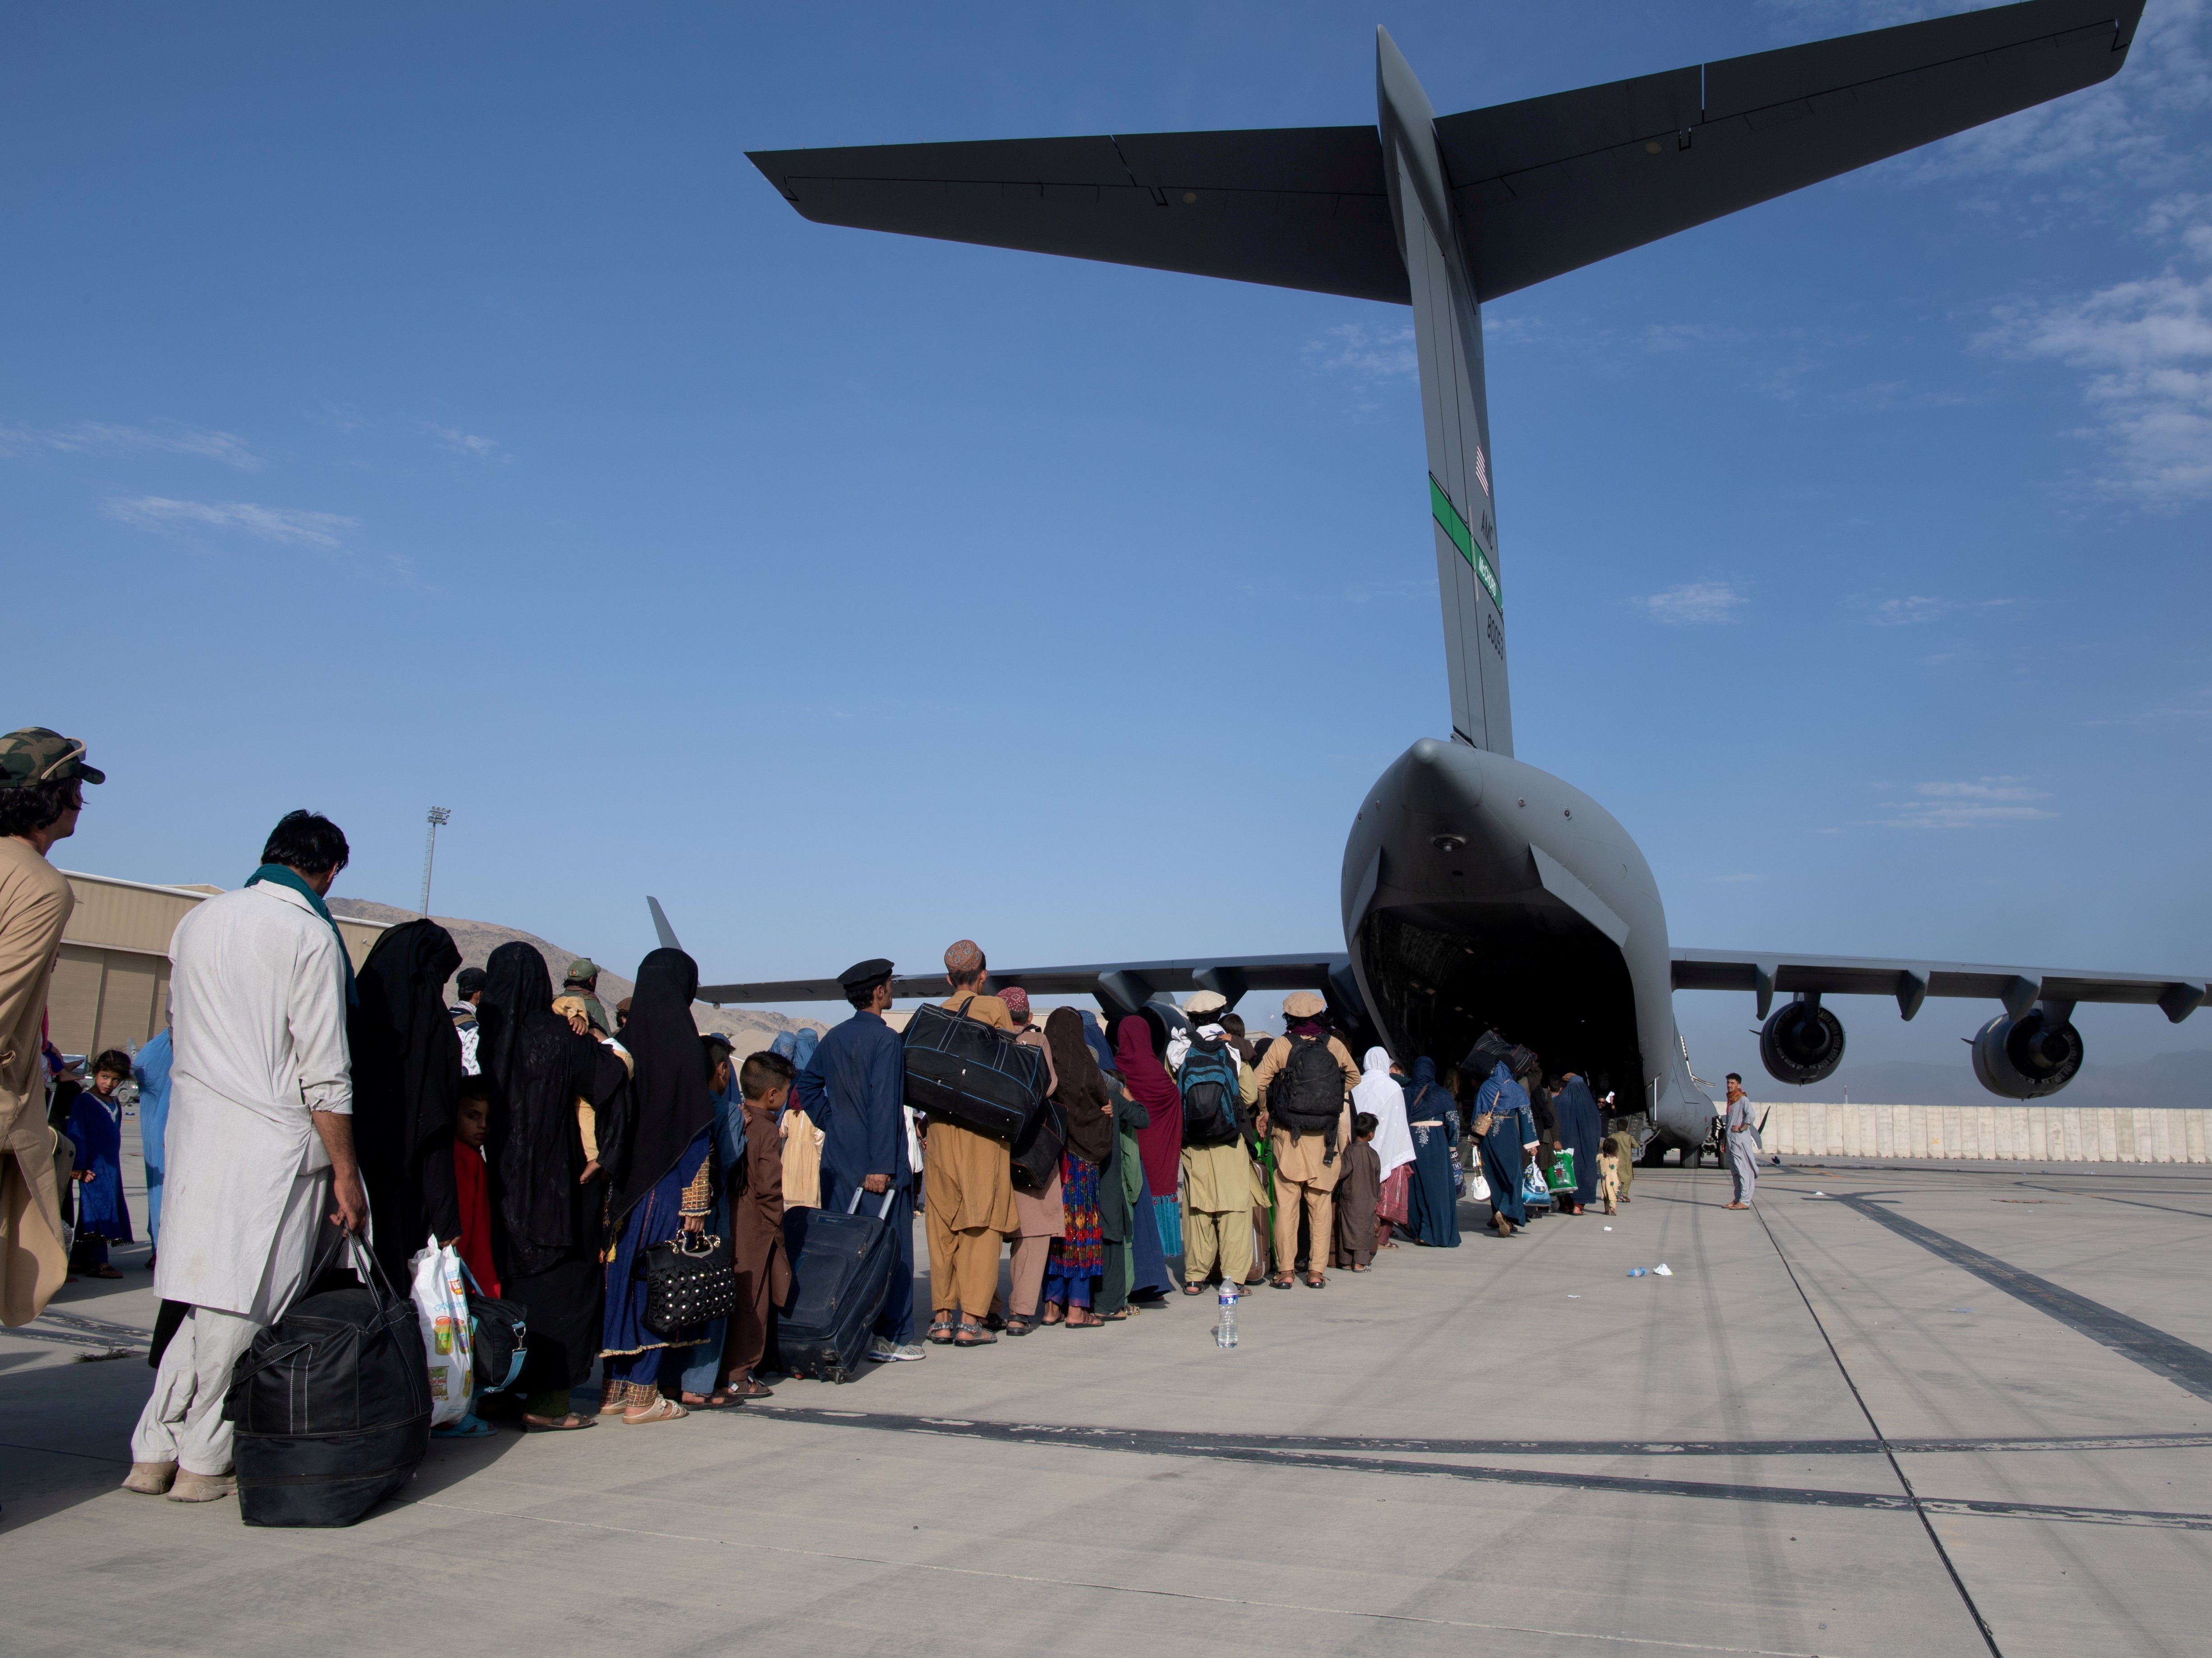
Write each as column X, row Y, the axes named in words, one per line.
column 283, row 877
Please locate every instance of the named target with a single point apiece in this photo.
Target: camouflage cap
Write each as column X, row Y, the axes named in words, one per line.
column 34, row 755
column 580, row 970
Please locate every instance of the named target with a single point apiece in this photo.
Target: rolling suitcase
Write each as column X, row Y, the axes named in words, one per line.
column 841, row 1270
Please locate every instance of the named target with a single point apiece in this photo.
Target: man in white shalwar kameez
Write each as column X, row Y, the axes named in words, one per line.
column 260, row 1140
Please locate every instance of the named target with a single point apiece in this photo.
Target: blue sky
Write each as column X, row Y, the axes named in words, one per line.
column 411, row 405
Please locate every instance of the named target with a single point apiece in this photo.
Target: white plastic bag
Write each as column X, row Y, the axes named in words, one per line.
column 1481, row 1193
column 441, row 1307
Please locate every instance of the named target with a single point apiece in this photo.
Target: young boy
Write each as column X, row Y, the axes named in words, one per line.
column 94, row 1128
column 471, row 1125
column 1358, row 1190
column 757, row 1225
column 1609, row 1173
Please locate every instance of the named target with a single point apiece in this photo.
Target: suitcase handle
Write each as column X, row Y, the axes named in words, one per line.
column 884, row 1213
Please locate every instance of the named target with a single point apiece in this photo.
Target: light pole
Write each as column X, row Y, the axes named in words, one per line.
column 438, row 815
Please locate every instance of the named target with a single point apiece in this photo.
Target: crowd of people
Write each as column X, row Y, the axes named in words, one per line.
column 556, row 1148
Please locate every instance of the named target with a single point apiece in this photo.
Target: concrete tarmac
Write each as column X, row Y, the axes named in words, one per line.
column 1935, row 1410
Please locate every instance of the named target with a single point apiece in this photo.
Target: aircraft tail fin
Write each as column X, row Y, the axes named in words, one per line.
column 661, row 930
column 1455, row 407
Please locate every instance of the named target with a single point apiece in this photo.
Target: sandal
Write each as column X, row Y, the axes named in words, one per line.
column 552, row 1425
column 973, row 1335
column 106, row 1270
column 746, row 1387
column 1316, row 1281
column 941, row 1331
column 1193, row 1289
column 1020, row 1326
column 661, row 1410
column 1119, row 1314
column 1280, row 1282
column 1053, row 1314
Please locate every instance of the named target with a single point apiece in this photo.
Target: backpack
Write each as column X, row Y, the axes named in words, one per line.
column 1208, row 1081
column 1307, row 1096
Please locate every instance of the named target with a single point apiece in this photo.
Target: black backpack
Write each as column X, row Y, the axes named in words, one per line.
column 1208, row 1082
column 1307, row 1096
column 331, row 1404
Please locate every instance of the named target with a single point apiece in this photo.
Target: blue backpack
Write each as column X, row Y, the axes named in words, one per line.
column 1208, row 1082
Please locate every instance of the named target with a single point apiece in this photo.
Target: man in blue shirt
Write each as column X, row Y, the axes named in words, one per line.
column 151, row 1071
column 855, row 1091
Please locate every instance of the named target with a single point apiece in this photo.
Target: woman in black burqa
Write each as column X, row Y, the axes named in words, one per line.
column 667, row 1187
column 548, row 1192
column 406, row 1084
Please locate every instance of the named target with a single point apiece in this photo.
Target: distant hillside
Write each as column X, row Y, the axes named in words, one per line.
column 748, row 1029
column 2164, row 1081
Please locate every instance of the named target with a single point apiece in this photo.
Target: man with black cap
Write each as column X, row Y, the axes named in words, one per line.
column 468, row 986
column 42, row 778
column 854, row 1090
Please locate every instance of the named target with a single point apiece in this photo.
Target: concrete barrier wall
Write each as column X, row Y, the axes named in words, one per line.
column 2028, row 1133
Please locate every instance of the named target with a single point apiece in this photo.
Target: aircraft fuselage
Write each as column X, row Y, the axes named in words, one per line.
column 1479, row 893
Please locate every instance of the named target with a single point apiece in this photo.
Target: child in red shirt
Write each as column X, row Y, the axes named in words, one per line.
column 471, row 1125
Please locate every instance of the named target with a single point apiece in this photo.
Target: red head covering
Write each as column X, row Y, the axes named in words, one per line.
column 1159, row 1146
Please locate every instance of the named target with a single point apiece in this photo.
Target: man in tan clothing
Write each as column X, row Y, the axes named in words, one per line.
column 968, row 1188
column 1305, row 1151
column 42, row 776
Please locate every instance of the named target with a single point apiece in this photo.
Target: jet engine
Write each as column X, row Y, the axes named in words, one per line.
column 2029, row 1057
column 1801, row 1042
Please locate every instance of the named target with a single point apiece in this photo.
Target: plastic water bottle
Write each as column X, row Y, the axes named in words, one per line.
column 1224, row 1333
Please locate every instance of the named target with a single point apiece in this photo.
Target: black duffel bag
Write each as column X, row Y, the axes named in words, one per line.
column 330, row 1404
column 499, row 1337
column 960, row 1071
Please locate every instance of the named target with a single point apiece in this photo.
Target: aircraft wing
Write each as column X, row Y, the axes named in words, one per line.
column 1549, row 185
column 1542, row 186
column 2018, row 988
column 1126, row 985
column 1292, row 207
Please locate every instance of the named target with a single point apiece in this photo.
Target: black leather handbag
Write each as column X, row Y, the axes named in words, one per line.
column 691, row 1279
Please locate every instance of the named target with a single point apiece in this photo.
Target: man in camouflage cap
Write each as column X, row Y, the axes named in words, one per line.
column 42, row 778
column 582, row 981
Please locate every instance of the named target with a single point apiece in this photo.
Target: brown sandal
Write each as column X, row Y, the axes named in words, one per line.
column 973, row 1335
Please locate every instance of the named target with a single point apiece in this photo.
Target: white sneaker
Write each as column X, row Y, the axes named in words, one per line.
column 884, row 1350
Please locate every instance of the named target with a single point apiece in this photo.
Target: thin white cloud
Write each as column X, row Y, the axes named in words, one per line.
column 1977, row 802
column 467, row 443
column 86, row 436
column 1365, row 349
column 283, row 525
column 1693, row 601
column 2147, row 348
column 1917, row 609
column 1511, row 329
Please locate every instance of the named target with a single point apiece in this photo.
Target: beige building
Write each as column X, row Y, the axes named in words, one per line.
column 112, row 985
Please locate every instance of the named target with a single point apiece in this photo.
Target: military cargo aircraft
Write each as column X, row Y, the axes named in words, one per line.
column 1479, row 892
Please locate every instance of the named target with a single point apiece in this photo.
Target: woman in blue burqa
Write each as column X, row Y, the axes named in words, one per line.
column 1580, row 1126
column 668, row 1188
column 1432, row 1206
column 1510, row 1134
